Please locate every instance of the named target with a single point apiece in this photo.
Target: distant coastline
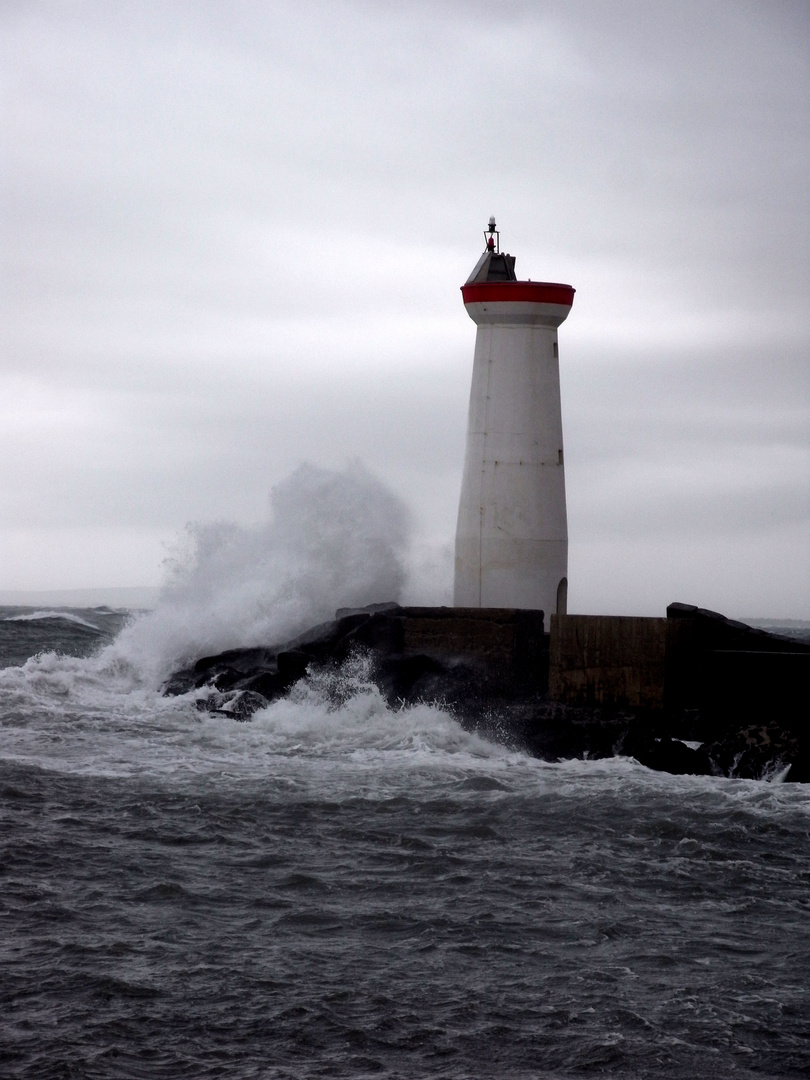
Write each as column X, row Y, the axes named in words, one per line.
column 146, row 597
column 143, row 596
column 787, row 624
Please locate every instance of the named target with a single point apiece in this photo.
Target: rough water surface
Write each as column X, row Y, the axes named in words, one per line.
column 338, row 889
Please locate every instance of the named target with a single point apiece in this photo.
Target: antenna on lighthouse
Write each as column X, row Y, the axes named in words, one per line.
column 490, row 235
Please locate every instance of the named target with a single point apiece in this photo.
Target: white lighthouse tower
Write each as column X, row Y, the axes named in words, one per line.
column 512, row 534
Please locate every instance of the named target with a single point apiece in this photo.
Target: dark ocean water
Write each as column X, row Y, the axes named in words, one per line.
column 341, row 890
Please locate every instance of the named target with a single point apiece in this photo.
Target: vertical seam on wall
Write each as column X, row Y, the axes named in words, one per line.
column 483, row 469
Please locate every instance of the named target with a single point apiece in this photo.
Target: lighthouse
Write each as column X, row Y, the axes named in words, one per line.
column 512, row 533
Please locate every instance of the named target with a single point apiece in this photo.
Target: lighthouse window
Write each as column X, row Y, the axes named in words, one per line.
column 556, row 354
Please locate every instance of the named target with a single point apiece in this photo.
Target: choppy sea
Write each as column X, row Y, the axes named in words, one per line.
column 338, row 889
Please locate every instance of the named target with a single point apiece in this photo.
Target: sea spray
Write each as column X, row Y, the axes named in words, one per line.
column 335, row 538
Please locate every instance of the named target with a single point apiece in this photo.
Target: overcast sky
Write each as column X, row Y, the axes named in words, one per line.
column 235, row 232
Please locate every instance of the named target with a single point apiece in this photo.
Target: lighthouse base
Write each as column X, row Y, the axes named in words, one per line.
column 510, row 573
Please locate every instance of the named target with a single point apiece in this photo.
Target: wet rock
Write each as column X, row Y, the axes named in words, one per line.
column 321, row 639
column 269, row 684
column 380, row 632
column 673, row 756
column 236, row 704
column 757, row 752
column 232, row 669
column 242, row 661
column 412, row 678
column 560, row 731
column 244, row 704
column 799, row 772
column 292, row 665
column 180, row 682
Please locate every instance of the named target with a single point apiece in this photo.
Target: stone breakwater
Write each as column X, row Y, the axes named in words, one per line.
column 692, row 693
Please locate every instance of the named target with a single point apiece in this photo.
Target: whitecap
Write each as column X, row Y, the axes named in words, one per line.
column 66, row 616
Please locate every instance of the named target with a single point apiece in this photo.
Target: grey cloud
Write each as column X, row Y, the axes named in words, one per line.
column 236, row 234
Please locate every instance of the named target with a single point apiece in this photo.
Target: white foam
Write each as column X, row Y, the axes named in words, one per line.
column 333, row 736
column 334, row 731
column 341, row 712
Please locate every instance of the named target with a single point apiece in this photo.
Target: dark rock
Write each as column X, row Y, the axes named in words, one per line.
column 244, row 704
column 758, row 752
column 672, row 756
column 318, row 640
column 334, row 641
column 238, row 705
column 799, row 772
column 292, row 665
column 561, row 731
column 243, row 661
column 224, row 678
column 270, row 685
column 225, row 671
column 181, row 682
column 411, row 678
column 380, row 632
column 558, row 732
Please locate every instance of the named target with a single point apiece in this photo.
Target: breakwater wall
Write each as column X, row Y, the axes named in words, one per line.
column 651, row 688
column 698, row 668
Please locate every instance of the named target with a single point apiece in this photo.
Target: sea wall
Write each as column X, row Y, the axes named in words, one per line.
column 608, row 660
column 694, row 661
column 511, row 641
column 595, row 686
column 721, row 671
